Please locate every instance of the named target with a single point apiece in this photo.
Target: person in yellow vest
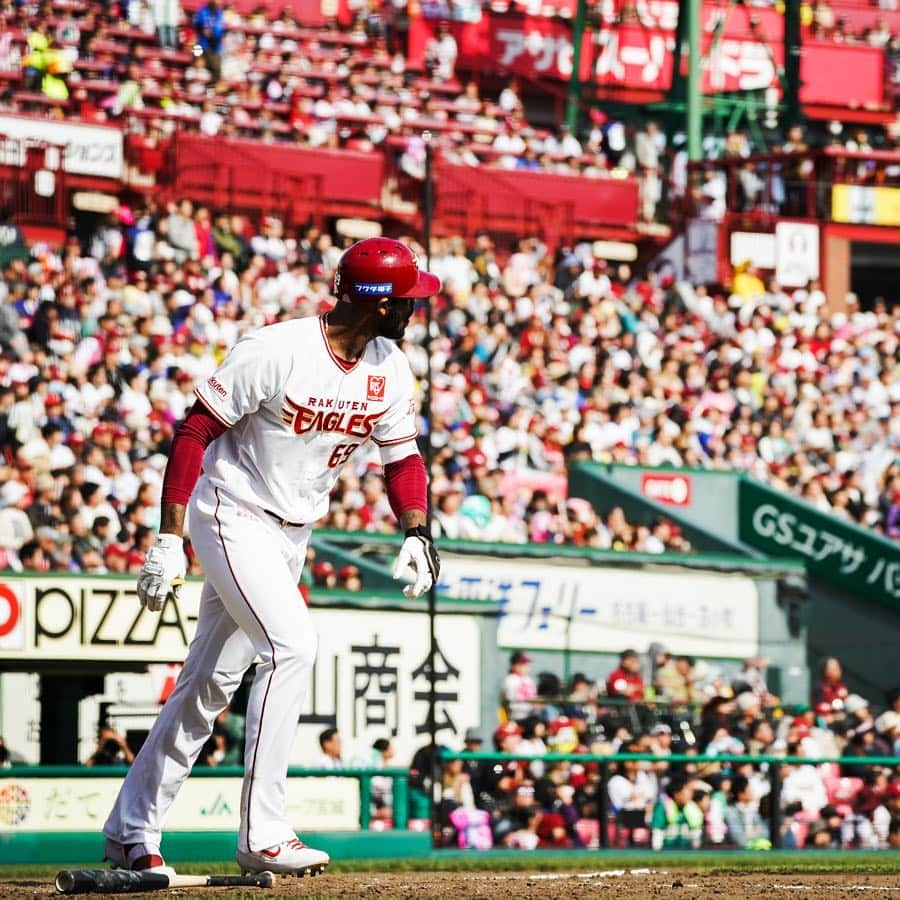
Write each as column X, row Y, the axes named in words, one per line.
column 677, row 821
column 58, row 66
column 35, row 61
column 746, row 283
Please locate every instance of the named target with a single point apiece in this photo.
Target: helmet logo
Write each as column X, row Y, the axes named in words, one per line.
column 371, row 288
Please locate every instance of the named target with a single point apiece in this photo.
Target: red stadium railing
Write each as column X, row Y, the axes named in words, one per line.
column 309, row 185
column 33, row 180
column 303, row 184
column 518, row 201
column 298, row 183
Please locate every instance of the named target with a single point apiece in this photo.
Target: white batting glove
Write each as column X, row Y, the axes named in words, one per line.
column 418, row 551
column 162, row 573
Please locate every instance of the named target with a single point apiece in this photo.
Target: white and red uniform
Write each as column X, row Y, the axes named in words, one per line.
column 295, row 413
column 313, row 412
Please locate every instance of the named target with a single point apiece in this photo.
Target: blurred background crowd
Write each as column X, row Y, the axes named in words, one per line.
column 664, row 709
column 156, row 69
column 659, row 705
column 541, row 361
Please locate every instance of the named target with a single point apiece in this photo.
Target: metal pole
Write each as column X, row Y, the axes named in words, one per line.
column 775, row 805
column 694, row 97
column 575, row 78
column 674, row 105
column 603, row 805
column 791, row 82
column 365, row 802
column 427, row 211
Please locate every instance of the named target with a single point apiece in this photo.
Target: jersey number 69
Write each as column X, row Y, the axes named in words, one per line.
column 341, row 454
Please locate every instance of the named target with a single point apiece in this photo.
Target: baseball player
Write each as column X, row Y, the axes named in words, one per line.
column 271, row 428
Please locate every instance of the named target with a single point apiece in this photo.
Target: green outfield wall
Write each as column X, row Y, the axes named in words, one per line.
column 700, row 497
column 53, row 815
column 849, row 606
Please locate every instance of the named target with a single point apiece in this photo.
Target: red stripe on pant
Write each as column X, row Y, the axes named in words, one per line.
column 274, row 666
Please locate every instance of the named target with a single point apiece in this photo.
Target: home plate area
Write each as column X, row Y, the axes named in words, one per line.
column 618, row 883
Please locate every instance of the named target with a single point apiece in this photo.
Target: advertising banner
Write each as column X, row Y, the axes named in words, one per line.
column 702, row 257
column 860, row 205
column 673, row 489
column 639, row 56
column 634, row 57
column 796, row 253
column 528, row 45
column 792, row 251
column 370, row 679
column 90, row 149
column 202, row 804
column 99, row 618
column 858, row 560
column 606, row 609
column 755, row 247
column 842, row 74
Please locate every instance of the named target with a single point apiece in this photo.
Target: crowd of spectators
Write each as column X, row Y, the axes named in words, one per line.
column 658, row 705
column 781, row 183
column 543, row 362
column 262, row 76
column 662, row 706
column 252, row 77
column 539, row 362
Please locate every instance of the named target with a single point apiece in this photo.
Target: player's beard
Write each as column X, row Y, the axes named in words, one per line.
column 399, row 312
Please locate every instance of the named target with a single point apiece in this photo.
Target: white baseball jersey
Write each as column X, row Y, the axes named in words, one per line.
column 296, row 415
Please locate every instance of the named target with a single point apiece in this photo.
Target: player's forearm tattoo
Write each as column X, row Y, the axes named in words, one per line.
column 412, row 518
column 171, row 519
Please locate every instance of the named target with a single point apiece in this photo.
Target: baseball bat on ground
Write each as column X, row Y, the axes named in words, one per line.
column 123, row 881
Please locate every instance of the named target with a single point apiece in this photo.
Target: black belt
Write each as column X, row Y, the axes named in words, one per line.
column 284, row 522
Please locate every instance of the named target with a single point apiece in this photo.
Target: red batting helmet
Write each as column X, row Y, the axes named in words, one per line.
column 382, row 267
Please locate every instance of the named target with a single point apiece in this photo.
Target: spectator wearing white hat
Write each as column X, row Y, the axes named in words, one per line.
column 858, row 712
column 803, row 784
column 888, row 726
column 15, row 526
column 661, row 739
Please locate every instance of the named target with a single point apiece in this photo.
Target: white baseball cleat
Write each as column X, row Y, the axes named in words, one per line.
column 136, row 857
column 291, row 857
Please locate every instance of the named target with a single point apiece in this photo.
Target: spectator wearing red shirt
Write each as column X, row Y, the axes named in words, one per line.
column 626, row 681
column 552, row 832
column 830, row 687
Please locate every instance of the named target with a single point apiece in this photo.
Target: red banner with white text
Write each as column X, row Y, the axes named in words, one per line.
column 526, row 45
column 636, row 58
column 627, row 56
column 738, row 20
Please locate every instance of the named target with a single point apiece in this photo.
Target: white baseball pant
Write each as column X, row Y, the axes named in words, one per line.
column 250, row 607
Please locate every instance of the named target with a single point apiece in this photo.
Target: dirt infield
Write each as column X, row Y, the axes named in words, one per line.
column 621, row 883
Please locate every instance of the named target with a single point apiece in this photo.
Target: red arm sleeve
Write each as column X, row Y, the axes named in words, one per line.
column 192, row 437
column 406, row 484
